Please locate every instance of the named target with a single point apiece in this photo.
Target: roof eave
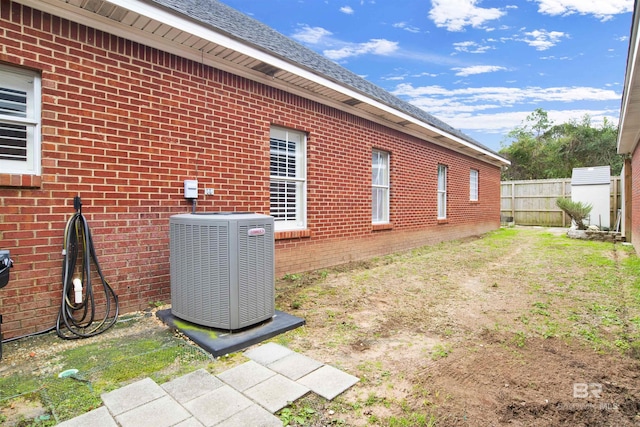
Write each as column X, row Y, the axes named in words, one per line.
column 389, row 116
column 629, row 123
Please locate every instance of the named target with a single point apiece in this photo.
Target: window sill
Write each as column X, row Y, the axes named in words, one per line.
column 381, row 227
column 474, row 202
column 20, row 181
column 443, row 221
column 292, row 234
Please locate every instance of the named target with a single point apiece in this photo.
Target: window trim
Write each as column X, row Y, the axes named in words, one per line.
column 442, row 192
column 300, row 222
column 31, row 83
column 474, row 185
column 385, row 186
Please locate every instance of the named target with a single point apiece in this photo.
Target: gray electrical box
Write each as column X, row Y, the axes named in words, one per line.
column 5, row 265
column 222, row 268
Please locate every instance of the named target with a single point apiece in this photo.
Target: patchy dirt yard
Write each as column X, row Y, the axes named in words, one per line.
column 520, row 327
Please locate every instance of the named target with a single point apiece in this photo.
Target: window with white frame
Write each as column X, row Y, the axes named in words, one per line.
column 288, row 184
column 442, row 191
column 473, row 185
column 380, row 187
column 19, row 121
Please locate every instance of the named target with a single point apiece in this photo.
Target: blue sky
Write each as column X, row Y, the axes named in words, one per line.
column 481, row 66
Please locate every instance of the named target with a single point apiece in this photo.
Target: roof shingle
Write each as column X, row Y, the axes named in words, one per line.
column 241, row 27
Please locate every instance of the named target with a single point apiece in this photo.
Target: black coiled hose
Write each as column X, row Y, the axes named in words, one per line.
column 78, row 320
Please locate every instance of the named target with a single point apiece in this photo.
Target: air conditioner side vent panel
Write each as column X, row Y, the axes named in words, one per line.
column 222, row 269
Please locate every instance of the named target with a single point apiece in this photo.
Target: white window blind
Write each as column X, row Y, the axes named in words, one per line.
column 473, row 185
column 442, row 191
column 380, row 187
column 288, row 179
column 19, row 121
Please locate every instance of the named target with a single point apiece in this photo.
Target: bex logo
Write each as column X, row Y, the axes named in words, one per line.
column 584, row 390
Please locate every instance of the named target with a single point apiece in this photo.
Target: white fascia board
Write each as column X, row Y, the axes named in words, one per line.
column 172, row 19
column 627, row 143
column 202, row 31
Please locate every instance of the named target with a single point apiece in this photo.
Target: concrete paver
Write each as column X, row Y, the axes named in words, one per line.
column 132, row 396
column 162, row 412
column 254, row 416
column 246, row 395
column 276, row 392
column 246, row 375
column 217, row 405
column 267, row 353
column 328, row 381
column 295, row 365
column 97, row 418
column 189, row 422
column 190, row 386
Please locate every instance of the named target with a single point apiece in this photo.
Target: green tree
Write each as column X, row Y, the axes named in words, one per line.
column 527, row 151
column 539, row 149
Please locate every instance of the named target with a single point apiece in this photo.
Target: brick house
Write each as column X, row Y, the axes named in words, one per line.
column 121, row 101
column 629, row 136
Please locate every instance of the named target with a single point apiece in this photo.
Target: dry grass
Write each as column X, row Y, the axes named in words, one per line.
column 410, row 324
column 492, row 330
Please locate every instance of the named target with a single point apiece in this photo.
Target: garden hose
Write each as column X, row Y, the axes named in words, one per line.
column 78, row 311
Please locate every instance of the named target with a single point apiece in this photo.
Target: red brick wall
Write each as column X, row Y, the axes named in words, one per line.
column 124, row 124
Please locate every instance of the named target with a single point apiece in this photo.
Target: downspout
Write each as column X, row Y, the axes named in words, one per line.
column 627, row 199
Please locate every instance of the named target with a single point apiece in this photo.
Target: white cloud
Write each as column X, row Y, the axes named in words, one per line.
column 455, row 15
column 470, row 108
column 487, row 111
column 543, row 39
column 425, row 74
column 406, row 27
column 506, row 96
column 471, row 47
column 333, row 48
column 311, row 35
column 501, row 123
column 347, row 10
column 556, row 58
column 477, row 69
column 374, row 46
column 482, row 109
column 601, row 9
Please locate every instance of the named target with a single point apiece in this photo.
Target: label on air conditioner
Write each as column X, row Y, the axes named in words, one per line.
column 256, row 232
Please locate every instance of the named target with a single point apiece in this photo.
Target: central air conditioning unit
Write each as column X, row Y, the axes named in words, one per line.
column 222, row 268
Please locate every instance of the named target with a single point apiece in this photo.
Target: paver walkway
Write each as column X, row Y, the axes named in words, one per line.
column 247, row 395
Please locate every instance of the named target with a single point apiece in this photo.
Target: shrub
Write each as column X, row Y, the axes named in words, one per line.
column 578, row 211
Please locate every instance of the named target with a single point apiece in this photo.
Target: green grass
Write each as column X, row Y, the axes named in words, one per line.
column 413, row 420
column 440, row 351
column 102, row 366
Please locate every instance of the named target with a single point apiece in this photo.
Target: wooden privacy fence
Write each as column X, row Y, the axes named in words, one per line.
column 534, row 202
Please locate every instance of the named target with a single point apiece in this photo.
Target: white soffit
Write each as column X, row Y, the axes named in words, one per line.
column 157, row 27
column 629, row 125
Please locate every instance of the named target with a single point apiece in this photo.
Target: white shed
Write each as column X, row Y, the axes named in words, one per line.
column 592, row 185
